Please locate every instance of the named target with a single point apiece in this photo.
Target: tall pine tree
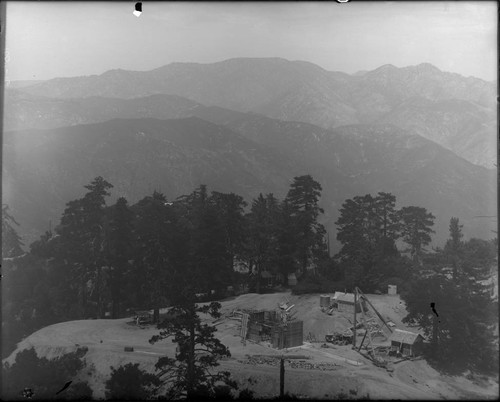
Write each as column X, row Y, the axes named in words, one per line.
column 82, row 243
column 119, row 250
column 416, row 229
column 303, row 199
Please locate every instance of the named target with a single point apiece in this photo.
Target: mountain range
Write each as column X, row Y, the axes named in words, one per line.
column 44, row 169
column 250, row 126
column 301, row 91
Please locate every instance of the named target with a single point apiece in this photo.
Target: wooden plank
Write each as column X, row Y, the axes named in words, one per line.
column 244, row 325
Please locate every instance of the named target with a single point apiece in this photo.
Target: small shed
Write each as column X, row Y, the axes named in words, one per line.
column 143, row 317
column 345, row 302
column 324, row 301
column 392, row 290
column 292, row 279
column 407, row 343
column 267, row 278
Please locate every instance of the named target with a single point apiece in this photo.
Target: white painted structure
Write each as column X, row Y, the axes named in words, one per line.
column 392, row 290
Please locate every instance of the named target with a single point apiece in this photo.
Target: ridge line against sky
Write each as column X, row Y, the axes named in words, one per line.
column 46, row 40
column 241, row 58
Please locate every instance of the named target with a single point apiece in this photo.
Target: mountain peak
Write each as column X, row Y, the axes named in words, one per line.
column 387, row 67
column 427, row 67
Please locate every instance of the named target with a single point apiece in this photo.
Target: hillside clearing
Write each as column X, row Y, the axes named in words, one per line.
column 106, row 340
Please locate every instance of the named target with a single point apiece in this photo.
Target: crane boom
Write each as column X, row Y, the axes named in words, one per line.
column 373, row 307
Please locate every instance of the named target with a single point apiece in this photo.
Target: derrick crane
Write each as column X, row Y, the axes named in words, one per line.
column 359, row 295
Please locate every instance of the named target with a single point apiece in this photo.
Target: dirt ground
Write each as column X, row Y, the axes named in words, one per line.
column 351, row 373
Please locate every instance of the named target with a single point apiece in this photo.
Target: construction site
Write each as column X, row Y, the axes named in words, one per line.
column 312, row 346
column 277, row 328
column 379, row 339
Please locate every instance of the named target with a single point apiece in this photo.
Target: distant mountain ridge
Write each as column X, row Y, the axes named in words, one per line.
column 302, row 91
column 250, row 126
column 24, row 111
column 240, row 152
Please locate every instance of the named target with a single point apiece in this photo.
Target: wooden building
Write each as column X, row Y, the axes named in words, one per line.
column 345, row 302
column 267, row 278
column 407, row 343
column 288, row 336
column 267, row 326
column 292, row 279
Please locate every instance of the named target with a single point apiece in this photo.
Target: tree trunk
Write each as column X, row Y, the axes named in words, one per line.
column 435, row 331
column 282, row 379
column 259, row 277
column 98, row 288
column 455, row 267
column 115, row 310
column 156, row 303
column 115, row 298
column 83, row 299
column 115, row 288
column 190, row 369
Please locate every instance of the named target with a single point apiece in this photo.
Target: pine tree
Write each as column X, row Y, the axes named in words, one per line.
column 191, row 374
column 303, row 198
column 119, row 250
column 360, row 232
column 416, row 229
column 479, row 258
column 208, row 251
column 453, row 247
column 44, row 377
column 82, row 243
column 154, row 230
column 351, row 230
column 262, row 235
column 387, row 216
column 230, row 212
column 287, row 240
column 11, row 241
column 129, row 382
column 457, row 315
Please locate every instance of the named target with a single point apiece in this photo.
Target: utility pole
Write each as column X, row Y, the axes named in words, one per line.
column 282, row 378
column 355, row 322
column 282, row 372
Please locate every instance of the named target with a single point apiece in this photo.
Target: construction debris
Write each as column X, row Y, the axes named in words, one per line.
column 296, row 364
column 337, row 338
column 312, row 338
column 143, row 318
column 278, row 327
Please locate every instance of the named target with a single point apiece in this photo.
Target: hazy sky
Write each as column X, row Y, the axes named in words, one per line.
column 46, row 40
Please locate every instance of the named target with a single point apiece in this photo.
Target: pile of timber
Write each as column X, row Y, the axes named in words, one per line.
column 338, row 338
column 295, row 363
column 298, row 364
column 235, row 315
column 312, row 338
column 328, row 310
column 376, row 360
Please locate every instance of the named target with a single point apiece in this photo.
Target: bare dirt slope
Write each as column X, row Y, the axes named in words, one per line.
column 349, row 373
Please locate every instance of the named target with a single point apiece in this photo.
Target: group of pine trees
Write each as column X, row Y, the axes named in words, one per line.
column 369, row 229
column 462, row 323
column 109, row 258
column 112, row 258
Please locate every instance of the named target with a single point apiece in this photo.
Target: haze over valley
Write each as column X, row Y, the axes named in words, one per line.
column 425, row 135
